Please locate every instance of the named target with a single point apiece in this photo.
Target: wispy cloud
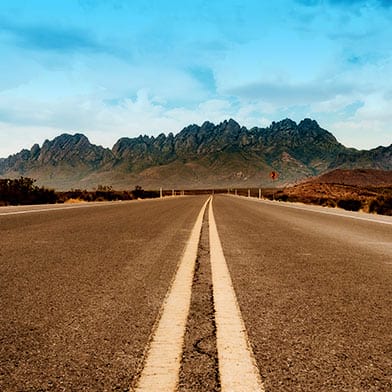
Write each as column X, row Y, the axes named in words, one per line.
column 204, row 75
column 114, row 68
column 49, row 38
column 104, row 122
column 291, row 94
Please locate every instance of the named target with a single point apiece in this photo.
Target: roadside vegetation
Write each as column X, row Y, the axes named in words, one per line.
column 24, row 191
column 376, row 200
column 104, row 193
column 370, row 199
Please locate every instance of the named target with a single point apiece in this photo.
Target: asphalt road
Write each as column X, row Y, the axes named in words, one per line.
column 315, row 291
column 80, row 290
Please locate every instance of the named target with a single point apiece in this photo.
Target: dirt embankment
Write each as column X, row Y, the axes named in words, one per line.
column 362, row 189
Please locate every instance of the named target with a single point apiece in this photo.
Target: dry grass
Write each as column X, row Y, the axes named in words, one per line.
column 74, row 201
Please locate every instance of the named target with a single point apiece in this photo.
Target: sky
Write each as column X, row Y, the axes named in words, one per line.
column 120, row 68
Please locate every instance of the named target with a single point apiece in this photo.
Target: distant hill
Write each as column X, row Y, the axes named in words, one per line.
column 358, row 177
column 223, row 155
column 368, row 190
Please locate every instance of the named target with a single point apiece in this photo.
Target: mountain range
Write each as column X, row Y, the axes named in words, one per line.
column 223, row 155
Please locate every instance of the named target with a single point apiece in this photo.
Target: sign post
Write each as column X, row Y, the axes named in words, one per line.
column 274, row 175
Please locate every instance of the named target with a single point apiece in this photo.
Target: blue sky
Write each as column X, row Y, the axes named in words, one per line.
column 113, row 68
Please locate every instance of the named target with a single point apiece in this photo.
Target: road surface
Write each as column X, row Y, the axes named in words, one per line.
column 300, row 298
column 315, row 291
column 80, row 290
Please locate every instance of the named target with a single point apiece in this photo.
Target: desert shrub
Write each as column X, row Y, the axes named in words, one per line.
column 102, row 193
column 75, row 194
column 140, row 193
column 350, row 204
column 330, row 203
column 282, row 197
column 321, row 201
column 24, row 191
column 151, row 194
column 106, row 193
column 381, row 205
column 326, row 202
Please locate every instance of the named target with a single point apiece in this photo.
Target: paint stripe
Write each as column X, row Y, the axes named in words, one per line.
column 81, row 205
column 237, row 366
column 162, row 365
column 57, row 208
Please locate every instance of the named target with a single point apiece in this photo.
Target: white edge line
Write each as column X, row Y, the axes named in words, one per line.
column 162, row 364
column 237, row 365
column 287, row 205
column 55, row 209
column 83, row 205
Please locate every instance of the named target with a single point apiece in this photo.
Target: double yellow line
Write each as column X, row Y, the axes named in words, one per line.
column 237, row 367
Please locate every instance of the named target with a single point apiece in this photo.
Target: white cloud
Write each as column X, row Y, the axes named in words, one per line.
column 104, row 123
column 377, row 107
column 370, row 126
column 14, row 138
column 26, row 122
column 356, row 133
column 336, row 103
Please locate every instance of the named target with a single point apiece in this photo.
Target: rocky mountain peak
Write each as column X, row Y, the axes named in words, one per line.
column 199, row 156
column 283, row 125
column 69, row 150
column 35, row 151
column 66, row 140
column 207, row 125
column 308, row 123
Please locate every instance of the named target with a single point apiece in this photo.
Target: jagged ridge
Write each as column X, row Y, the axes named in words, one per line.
column 199, row 156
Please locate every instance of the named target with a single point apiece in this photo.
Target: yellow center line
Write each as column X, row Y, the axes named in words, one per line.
column 237, row 366
column 162, row 365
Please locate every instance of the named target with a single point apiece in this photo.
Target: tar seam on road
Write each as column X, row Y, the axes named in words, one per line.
column 199, row 364
column 237, row 365
column 162, row 365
